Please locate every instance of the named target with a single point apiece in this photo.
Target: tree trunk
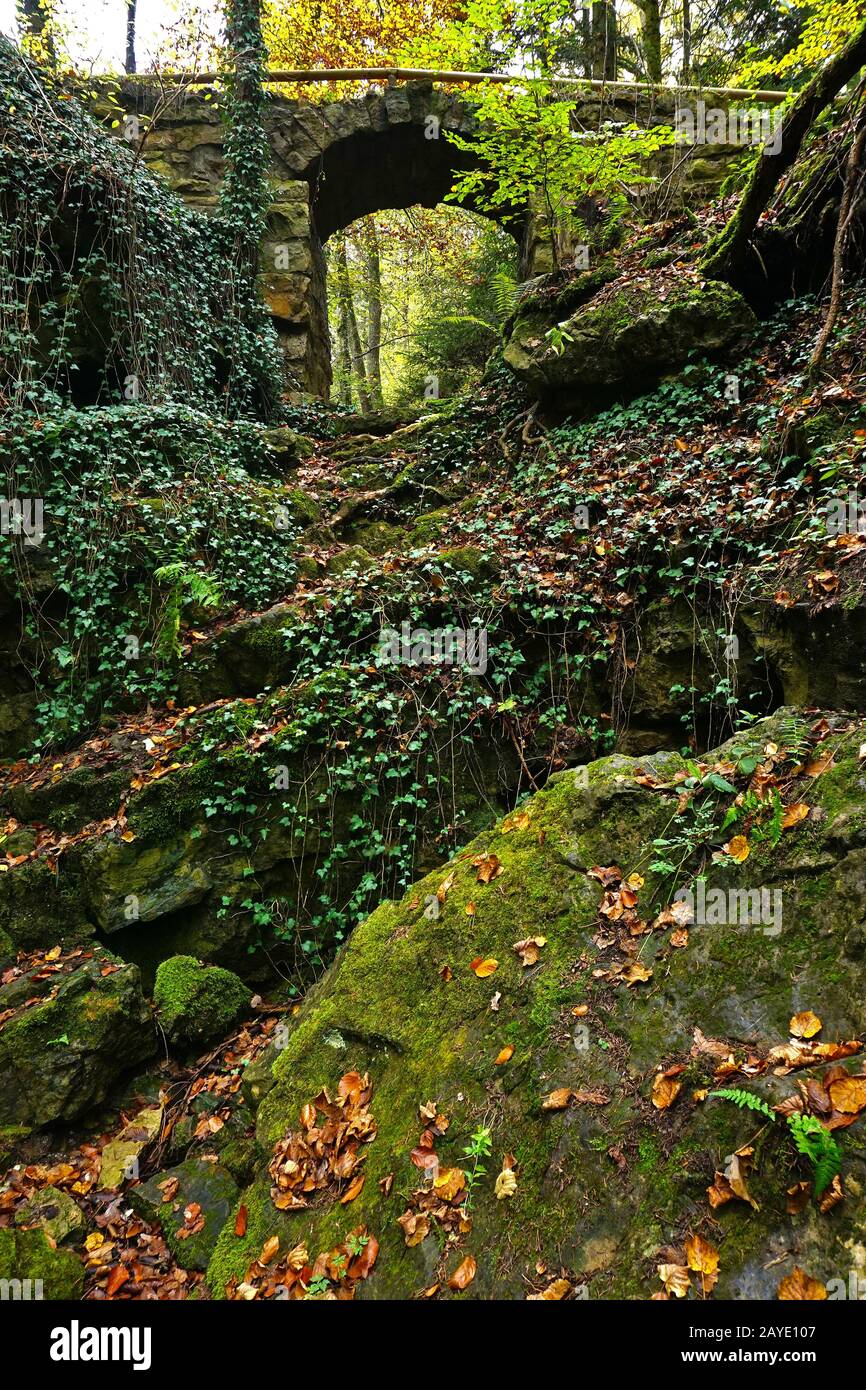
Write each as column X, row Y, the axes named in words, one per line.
column 353, row 337
column 651, row 38
column 727, row 255
column 374, row 312
column 852, row 178
column 129, row 63
column 604, row 40
column 687, row 43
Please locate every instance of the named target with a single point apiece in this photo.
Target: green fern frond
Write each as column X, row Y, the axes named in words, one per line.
column 746, row 1101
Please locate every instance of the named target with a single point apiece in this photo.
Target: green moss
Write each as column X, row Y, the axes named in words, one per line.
column 196, row 1002
column 53, row 1274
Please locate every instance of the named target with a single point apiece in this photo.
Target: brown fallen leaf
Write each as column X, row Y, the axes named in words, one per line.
column 557, row 1100
column 241, row 1221
column 530, row 949
column 665, row 1090
column 793, row 814
column 463, row 1274
column 488, row 867
column 269, row 1250
column 675, row 1278
column 848, row 1094
column 483, row 966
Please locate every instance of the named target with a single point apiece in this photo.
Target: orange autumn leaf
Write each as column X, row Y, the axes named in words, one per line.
column 805, row 1025
column 241, row 1221
column 738, row 849
column 463, row 1274
column 703, row 1258
column 269, row 1250
column 793, row 814
column 800, row 1285
column 504, row 1055
column 848, row 1094
column 484, row 966
column 665, row 1090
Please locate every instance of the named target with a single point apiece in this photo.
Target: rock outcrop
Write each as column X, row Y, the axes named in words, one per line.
column 526, row 1005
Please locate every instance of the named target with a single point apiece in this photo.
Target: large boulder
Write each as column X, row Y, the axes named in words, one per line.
column 63, row 1047
column 558, row 1051
column 626, row 336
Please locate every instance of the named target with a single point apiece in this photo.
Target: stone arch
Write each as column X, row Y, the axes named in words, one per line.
column 386, row 149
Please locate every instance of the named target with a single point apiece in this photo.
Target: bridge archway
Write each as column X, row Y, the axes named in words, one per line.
column 383, row 151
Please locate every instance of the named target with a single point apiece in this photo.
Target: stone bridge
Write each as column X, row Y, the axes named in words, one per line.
column 333, row 162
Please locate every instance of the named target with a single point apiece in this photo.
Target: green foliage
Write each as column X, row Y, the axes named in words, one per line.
column 746, row 1100
column 819, row 1146
column 479, row 1148
column 811, row 1138
column 529, row 153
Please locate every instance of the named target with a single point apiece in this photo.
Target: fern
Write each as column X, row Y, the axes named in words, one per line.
column 746, row 1101
column 819, row 1146
column 810, row 1137
column 184, row 583
column 504, row 288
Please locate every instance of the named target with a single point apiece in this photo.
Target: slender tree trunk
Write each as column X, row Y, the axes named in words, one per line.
column 131, row 6
column 852, row 178
column 343, row 375
column 651, row 38
column 374, row 312
column 356, row 356
column 727, row 254
column 687, row 43
column 604, row 40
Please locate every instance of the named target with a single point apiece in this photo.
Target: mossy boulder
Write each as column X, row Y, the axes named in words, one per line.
column 607, row 1183
column 61, row 1055
column 54, row 1212
column 196, row 1002
column 196, row 1210
column 626, row 336
column 31, row 1269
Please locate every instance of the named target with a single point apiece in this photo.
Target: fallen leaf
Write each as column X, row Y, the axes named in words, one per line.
column 800, row 1285
column 665, row 1090
column 738, row 849
column 484, row 966
column 463, row 1274
column 805, row 1025
column 505, row 1055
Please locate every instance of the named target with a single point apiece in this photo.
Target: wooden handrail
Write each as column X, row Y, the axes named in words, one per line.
column 312, row 75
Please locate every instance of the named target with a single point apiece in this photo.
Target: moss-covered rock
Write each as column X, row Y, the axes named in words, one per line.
column 62, row 1055
column 627, row 335
column 54, row 1212
column 31, row 1269
column 196, row 1002
column 196, row 1209
column 602, row 1188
